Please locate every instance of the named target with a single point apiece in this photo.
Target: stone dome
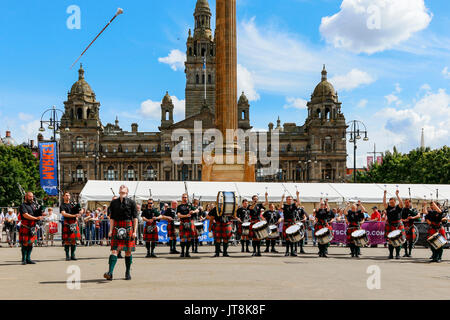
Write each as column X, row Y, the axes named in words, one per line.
column 81, row 86
column 167, row 99
column 243, row 99
column 324, row 88
column 8, row 140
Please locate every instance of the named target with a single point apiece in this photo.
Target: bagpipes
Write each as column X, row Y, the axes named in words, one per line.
column 37, row 203
column 75, row 204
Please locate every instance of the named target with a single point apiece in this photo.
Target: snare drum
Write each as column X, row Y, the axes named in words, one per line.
column 437, row 241
column 294, row 233
column 226, row 203
column 324, row 236
column 396, row 238
column 176, row 225
column 273, row 232
column 199, row 227
column 360, row 238
column 261, row 230
column 246, row 228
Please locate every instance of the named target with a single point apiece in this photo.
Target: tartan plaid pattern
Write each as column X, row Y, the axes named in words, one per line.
column 70, row 238
column 171, row 231
column 123, row 245
column 352, row 226
column 286, row 224
column 392, row 226
column 321, row 224
column 186, row 233
column 25, row 238
column 410, row 231
column 152, row 236
column 222, row 231
column 436, row 227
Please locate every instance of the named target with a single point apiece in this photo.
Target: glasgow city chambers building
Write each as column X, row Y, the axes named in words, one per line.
column 89, row 150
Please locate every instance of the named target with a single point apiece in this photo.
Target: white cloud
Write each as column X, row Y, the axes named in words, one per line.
column 362, row 103
column 392, row 98
column 431, row 112
column 446, row 73
column 425, row 87
column 297, row 103
column 398, row 89
column 152, row 109
column 175, row 59
column 25, row 116
column 374, row 25
column 351, row 80
column 246, row 84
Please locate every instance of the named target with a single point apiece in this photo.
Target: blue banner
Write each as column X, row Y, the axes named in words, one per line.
column 162, row 232
column 48, row 167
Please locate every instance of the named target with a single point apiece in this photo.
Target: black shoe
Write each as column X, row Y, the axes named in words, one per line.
column 293, row 254
column 353, row 255
column 274, row 250
column 217, row 254
column 391, row 256
column 67, row 259
column 187, row 255
column 148, row 254
column 73, row 258
column 182, row 255
column 119, row 256
column 397, row 257
column 286, row 254
column 267, row 250
column 24, row 263
column 153, row 255
column 108, row 276
column 302, row 251
column 253, row 254
column 248, row 250
column 30, row 262
column 242, row 250
column 406, row 255
column 324, row 255
column 127, row 276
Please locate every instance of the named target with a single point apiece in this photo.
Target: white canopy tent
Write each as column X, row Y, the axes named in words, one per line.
column 100, row 191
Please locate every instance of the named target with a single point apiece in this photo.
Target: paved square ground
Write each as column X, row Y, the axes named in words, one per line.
column 240, row 276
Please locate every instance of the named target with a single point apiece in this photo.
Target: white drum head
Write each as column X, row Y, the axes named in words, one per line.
column 293, row 229
column 394, row 234
column 358, row 233
column 259, row 224
column 322, row 231
column 273, row 227
column 246, row 224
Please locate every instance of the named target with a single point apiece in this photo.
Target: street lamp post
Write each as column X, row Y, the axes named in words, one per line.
column 355, row 134
column 54, row 123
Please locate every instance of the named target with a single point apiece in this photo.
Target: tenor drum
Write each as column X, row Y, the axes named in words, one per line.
column 226, row 203
column 199, row 227
column 246, row 228
column 437, row 241
column 273, row 232
column 360, row 238
column 295, row 233
column 261, row 230
column 324, row 236
column 396, row 238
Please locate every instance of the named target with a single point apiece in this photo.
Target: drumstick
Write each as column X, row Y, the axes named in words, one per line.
column 113, row 192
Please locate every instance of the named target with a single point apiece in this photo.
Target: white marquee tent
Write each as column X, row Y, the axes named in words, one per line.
column 100, row 191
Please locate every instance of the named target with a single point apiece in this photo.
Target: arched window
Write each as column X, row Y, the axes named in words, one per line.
column 327, row 114
column 197, row 79
column 203, row 52
column 318, row 113
column 150, row 174
column 190, row 51
column 88, row 112
column 110, row 174
column 80, row 173
column 327, row 144
column 79, row 114
column 328, row 172
column 243, row 115
column 166, row 115
column 298, row 173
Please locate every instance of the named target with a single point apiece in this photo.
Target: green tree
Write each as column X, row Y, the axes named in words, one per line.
column 418, row 166
column 18, row 165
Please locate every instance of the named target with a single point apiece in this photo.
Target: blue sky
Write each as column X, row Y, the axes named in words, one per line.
column 388, row 60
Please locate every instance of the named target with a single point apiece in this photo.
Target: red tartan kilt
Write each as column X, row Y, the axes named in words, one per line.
column 350, row 230
column 410, row 232
column 222, row 231
column 187, row 233
column 123, row 245
column 171, row 231
column 251, row 234
column 433, row 229
column 239, row 232
column 286, row 225
column 389, row 228
column 70, row 238
column 25, row 238
column 152, row 236
column 319, row 225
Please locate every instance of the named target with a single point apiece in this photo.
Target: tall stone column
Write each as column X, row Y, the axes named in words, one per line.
column 226, row 66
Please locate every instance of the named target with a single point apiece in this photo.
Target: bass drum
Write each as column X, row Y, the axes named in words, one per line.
column 226, row 203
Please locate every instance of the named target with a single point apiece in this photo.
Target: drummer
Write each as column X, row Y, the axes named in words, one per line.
column 170, row 216
column 197, row 217
column 354, row 214
column 221, row 226
column 259, row 207
column 255, row 217
column 409, row 216
column 435, row 217
column 288, row 220
column 273, row 218
column 394, row 221
column 323, row 215
column 243, row 213
column 300, row 216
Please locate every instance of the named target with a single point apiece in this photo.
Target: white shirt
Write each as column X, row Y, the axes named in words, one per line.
column 2, row 217
column 51, row 218
column 9, row 216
